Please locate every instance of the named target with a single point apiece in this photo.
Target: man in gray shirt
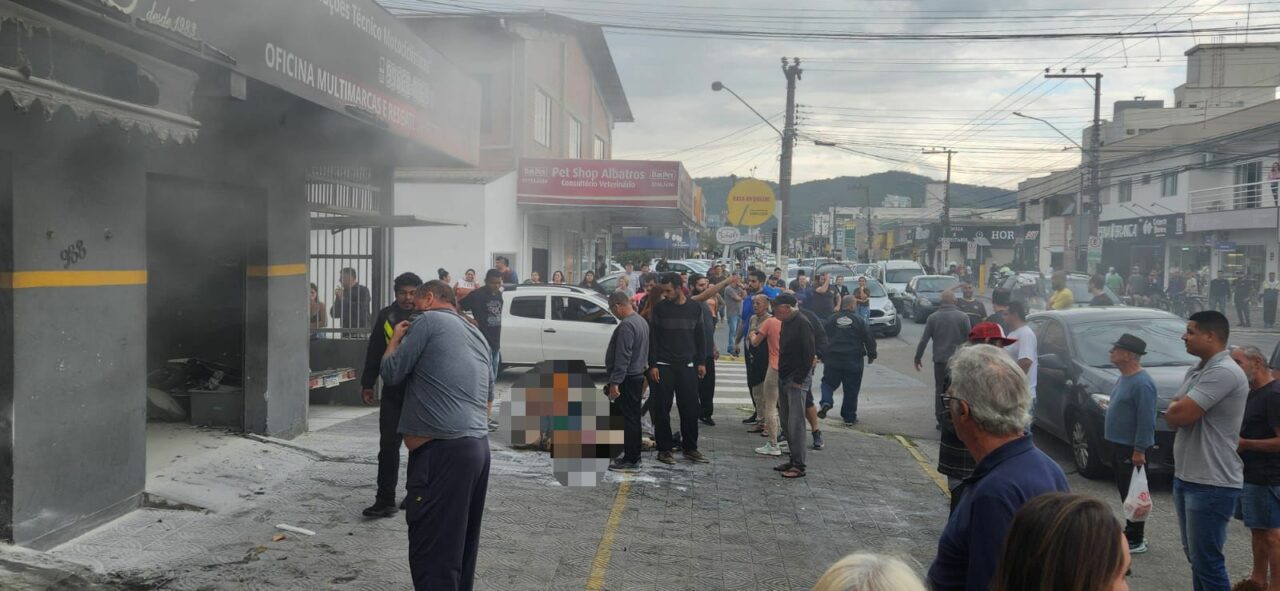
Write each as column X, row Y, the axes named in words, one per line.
column 1208, row 473
column 444, row 362
column 625, row 360
column 948, row 328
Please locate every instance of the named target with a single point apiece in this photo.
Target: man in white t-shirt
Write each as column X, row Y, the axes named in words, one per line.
column 1024, row 352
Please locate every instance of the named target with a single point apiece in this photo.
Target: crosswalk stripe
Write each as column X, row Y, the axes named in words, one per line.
column 731, row 382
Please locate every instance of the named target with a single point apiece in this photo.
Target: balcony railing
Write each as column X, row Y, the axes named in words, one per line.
column 1257, row 195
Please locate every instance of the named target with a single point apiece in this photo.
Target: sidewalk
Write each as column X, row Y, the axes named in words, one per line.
column 732, row 524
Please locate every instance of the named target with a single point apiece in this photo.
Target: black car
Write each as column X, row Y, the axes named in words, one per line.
column 1076, row 377
column 924, row 295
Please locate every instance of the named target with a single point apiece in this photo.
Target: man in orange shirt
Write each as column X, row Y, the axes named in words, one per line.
column 770, row 332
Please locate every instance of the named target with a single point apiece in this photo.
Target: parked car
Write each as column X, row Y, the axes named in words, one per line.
column 608, row 283
column 1034, row 289
column 1076, row 377
column 895, row 274
column 923, row 294
column 551, row 322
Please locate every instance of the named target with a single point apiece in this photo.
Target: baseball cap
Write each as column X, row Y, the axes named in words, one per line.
column 989, row 331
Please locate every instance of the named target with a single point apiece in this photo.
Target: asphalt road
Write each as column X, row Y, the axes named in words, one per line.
column 898, row 400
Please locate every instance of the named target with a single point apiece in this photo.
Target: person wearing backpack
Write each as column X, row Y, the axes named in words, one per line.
column 1130, row 425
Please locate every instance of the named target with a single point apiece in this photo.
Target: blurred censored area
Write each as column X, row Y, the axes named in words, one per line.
column 557, row 407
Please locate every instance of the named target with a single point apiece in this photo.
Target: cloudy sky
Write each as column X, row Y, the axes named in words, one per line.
column 886, row 100
column 893, row 98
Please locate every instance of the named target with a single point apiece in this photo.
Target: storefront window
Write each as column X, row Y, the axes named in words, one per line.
column 1249, row 259
column 1190, row 258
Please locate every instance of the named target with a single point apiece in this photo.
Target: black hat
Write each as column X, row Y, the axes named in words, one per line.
column 784, row 299
column 1132, row 344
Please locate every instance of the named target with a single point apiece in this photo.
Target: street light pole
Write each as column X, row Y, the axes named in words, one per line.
column 946, row 201
column 1069, row 263
column 792, row 71
column 1087, row 222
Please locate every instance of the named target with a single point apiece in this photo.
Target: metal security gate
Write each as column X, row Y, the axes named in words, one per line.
column 338, row 193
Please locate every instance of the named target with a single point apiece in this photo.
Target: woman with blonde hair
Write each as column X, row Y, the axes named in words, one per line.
column 869, row 572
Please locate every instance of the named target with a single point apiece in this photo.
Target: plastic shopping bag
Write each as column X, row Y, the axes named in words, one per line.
column 1137, row 504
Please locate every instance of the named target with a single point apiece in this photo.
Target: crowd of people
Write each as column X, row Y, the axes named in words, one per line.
column 1013, row 523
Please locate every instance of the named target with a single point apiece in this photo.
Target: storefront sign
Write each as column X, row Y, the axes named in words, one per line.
column 1143, row 228
column 605, row 183
column 728, row 235
column 1095, row 249
column 750, row 203
column 998, row 236
column 1224, row 246
column 351, row 56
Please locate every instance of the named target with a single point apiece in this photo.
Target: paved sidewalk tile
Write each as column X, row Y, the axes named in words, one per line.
column 732, row 524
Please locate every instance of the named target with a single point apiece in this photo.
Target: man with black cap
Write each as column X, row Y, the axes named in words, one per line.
column 1130, row 426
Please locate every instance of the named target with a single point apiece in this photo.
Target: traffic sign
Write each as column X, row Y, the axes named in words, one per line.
column 946, row 246
column 971, row 252
column 728, row 235
column 1095, row 249
column 750, row 203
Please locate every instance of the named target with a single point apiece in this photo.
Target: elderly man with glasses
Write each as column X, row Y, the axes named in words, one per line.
column 989, row 400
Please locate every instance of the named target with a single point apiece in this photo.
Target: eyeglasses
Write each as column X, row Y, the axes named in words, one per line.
column 947, row 398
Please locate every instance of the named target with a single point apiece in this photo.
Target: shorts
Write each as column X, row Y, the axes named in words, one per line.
column 1259, row 506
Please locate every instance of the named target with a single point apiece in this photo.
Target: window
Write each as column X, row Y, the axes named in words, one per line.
column 1051, row 338
column 575, row 138
column 529, row 307
column 1126, row 191
column 541, row 118
column 1169, row 184
column 1248, row 185
column 598, row 149
column 571, row 309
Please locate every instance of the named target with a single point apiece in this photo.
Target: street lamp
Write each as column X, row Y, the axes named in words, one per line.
column 783, row 184
column 1069, row 261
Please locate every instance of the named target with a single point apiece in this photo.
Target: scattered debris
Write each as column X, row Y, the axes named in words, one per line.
column 279, row 538
column 294, row 529
column 253, row 553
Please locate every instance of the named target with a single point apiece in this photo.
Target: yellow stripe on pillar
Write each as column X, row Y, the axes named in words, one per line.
column 39, row 279
column 286, row 270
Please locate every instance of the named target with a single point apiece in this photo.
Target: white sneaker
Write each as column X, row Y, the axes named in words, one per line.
column 769, row 449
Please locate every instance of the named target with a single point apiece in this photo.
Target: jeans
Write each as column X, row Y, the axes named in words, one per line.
column 447, row 480
column 1218, row 303
column 389, row 440
column 848, row 377
column 1268, row 312
column 733, row 321
column 1203, row 514
column 769, row 405
column 865, row 313
column 628, row 406
column 1242, row 313
column 707, row 390
column 791, row 405
column 495, row 362
column 679, row 384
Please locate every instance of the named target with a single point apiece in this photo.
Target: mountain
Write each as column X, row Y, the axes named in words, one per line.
column 818, row 196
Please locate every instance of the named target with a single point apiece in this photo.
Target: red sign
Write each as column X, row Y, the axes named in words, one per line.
column 605, row 183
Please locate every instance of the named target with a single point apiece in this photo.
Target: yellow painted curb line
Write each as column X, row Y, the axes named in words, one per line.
column 604, row 551
column 928, row 468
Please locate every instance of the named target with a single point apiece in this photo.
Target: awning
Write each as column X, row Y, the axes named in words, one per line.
column 166, row 119
column 337, row 218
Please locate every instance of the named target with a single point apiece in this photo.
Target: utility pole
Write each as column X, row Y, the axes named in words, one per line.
column 1087, row 213
column 946, row 202
column 792, row 71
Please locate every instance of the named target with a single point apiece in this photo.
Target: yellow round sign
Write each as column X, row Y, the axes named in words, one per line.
column 751, row 203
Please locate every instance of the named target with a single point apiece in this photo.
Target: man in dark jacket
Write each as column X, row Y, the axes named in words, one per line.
column 392, row 395
column 819, row 348
column 796, row 354
column 625, row 360
column 848, row 342
column 677, row 360
column 948, row 328
column 1219, row 292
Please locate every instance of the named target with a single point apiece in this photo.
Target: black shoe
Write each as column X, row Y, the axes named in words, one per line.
column 751, row 420
column 822, row 412
column 624, row 467
column 666, row 457
column 381, row 509
column 707, row 421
